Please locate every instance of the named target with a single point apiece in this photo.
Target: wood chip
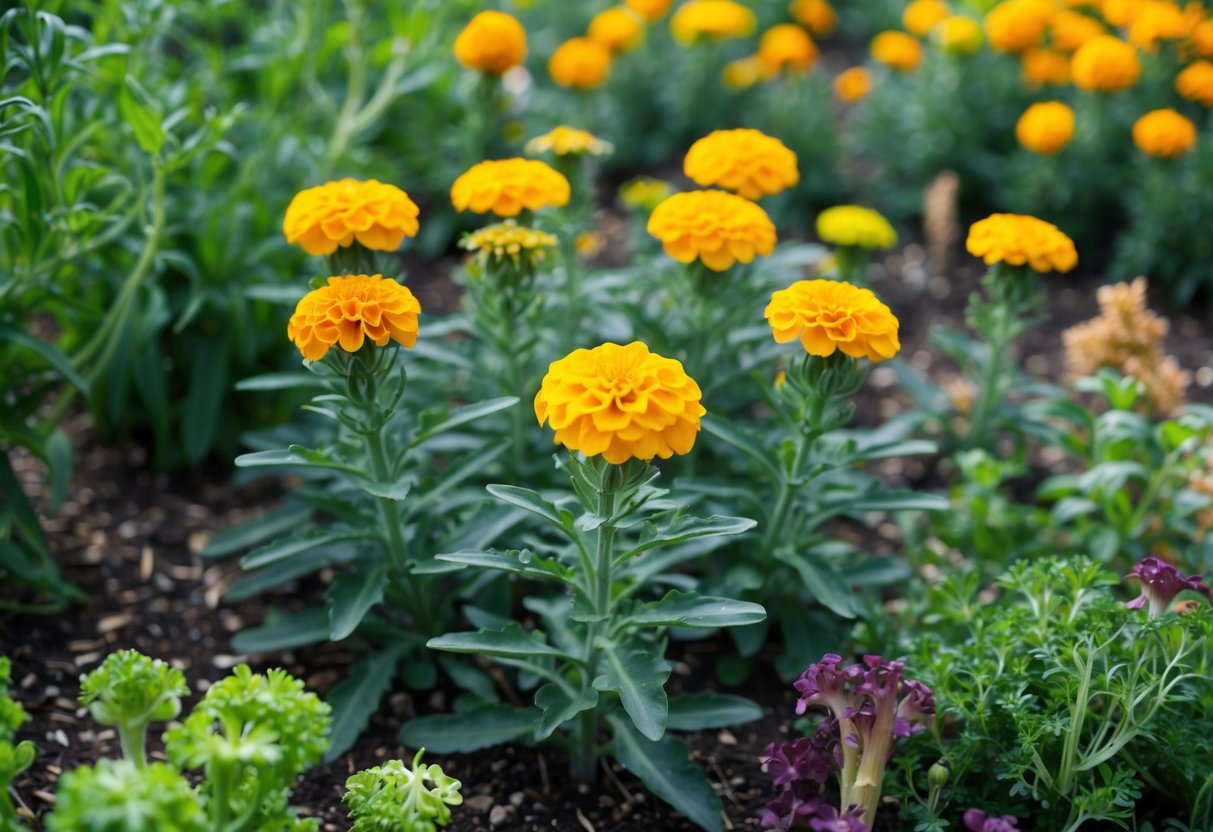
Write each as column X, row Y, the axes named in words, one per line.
column 116, row 621
column 147, row 563
column 45, row 797
column 585, row 822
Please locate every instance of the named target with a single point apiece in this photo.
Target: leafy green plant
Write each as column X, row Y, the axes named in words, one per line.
column 395, row 798
column 120, row 796
column 15, row 757
column 130, row 691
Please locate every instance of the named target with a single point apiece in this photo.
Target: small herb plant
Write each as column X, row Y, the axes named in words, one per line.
column 15, row 757
column 395, row 798
column 120, row 796
column 130, row 692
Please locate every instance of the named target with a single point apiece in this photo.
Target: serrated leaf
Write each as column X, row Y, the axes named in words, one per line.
column 638, row 676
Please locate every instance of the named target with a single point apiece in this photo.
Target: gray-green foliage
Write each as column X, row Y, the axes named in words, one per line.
column 395, row 798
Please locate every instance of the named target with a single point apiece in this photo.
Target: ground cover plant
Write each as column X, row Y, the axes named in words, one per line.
column 671, row 414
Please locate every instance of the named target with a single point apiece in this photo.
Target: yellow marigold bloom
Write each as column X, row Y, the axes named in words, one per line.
column 852, row 84
column 507, row 187
column 580, row 63
column 563, row 140
column 1195, row 83
column 1072, row 30
column 715, row 227
column 644, row 193
column 1201, row 39
column 743, row 73
column 509, row 241
column 1155, row 21
column 786, row 46
column 744, row 161
column 620, row 403
column 1164, row 133
column 1106, row 64
column 854, row 225
column 492, row 42
column 920, row 16
column 650, row 10
column 334, row 215
column 959, row 35
column 897, row 50
column 712, row 18
column 1118, row 13
column 351, row 309
column 1043, row 67
column 1020, row 240
column 1046, row 127
column 1018, row 25
column 618, row 28
column 832, row 315
column 815, row 15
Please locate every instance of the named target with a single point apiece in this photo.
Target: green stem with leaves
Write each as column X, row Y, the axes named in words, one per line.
column 998, row 339
column 806, row 431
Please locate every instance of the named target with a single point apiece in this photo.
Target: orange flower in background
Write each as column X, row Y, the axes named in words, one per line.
column 335, row 215
column 1118, row 13
column 719, row 19
column 1164, row 133
column 897, row 50
column 620, row 403
column 1156, row 20
column 1042, row 67
column 1195, row 83
column 828, row 316
column 563, row 140
column 580, row 63
column 715, row 227
column 958, row 35
column 743, row 72
column 492, row 42
column 1106, row 64
column 1046, row 127
column 1071, row 30
column 350, row 310
column 786, row 46
column 618, row 28
column 815, row 15
column 1021, row 240
column 1018, row 25
column 1200, row 39
column 650, row 10
column 921, row 16
column 507, row 187
column 852, row 84
column 747, row 162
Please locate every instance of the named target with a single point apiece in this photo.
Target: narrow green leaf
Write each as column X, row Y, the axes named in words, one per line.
column 284, row 632
column 708, row 709
column 357, row 697
column 703, row 612
column 528, row 500
column 433, row 424
column 638, row 676
column 522, row 562
column 682, row 529
column 823, row 580
column 59, row 459
column 748, row 443
column 387, row 490
column 464, row 733
column 246, row 535
column 203, row 400
column 136, row 110
column 510, row 642
column 296, row 544
column 666, row 770
column 351, row 597
column 48, row 352
column 279, row 381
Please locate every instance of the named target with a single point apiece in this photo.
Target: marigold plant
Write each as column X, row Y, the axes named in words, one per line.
column 509, row 241
column 1020, row 240
column 507, row 187
column 1106, row 64
column 712, row 19
column 349, row 310
column 1195, row 83
column 492, row 42
column 338, row 214
column 743, row 73
column 714, row 227
column 618, row 28
column 1071, row 30
column 1046, row 127
column 747, row 162
column 854, row 225
column 958, row 35
column 786, row 47
column 1044, row 67
column 1165, row 134
column 852, row 84
column 1018, row 25
column 920, row 16
column 817, row 16
column 580, row 63
column 897, row 50
column 830, row 315
column 563, row 140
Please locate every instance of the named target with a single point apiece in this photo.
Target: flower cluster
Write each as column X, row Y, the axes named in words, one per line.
column 855, row 226
column 1160, row 583
column 351, row 309
column 1019, row 240
column 714, row 227
column 507, row 187
column 747, row 162
column 493, row 42
column 335, row 215
column 830, row 316
column 563, row 140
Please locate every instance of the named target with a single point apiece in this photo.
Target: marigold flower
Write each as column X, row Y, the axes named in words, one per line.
column 1156, row 20
column 1044, row 67
column 563, row 140
column 335, row 215
column 712, row 18
column 650, row 10
column 644, row 193
column 715, row 227
column 506, row 187
column 852, row 84
column 856, row 226
column 743, row 73
column 509, row 241
column 832, row 315
column 744, row 161
column 351, row 309
column 1106, row 64
column 1021, row 240
column 959, row 35
column 1195, row 83
column 1164, row 133
column 815, row 15
column 618, row 28
column 1071, row 30
column 786, row 46
column 492, row 42
column 620, row 403
column 580, row 63
column 897, row 50
column 1046, row 127
column 1200, row 39
column 920, row 16
column 1018, row 25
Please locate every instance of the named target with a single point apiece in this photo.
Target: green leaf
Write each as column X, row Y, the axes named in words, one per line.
column 708, row 709
column 279, row 381
column 273, row 523
column 464, row 733
column 528, row 500
column 518, row 562
column 136, row 109
column 559, row 707
column 59, row 464
column 48, row 352
column 294, row 457
column 357, row 697
column 666, row 770
column 638, row 676
column 296, row 544
column 433, row 424
column 701, row 612
column 682, row 529
column 278, row 574
column 204, row 400
column 387, row 490
column 748, row 443
column 822, row 579
column 351, row 597
column 510, row 642
column 898, row 501
column 284, row 632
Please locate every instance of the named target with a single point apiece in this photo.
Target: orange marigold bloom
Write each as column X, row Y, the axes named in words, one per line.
column 580, row 63
column 815, row 15
column 1195, row 83
column 852, row 84
column 745, row 161
column 1018, row 25
column 897, row 50
column 1106, row 64
column 492, row 42
column 712, row 18
column 506, row 187
column 715, row 227
column 650, row 10
column 832, row 315
column 620, row 403
column 1020, row 240
column 959, row 35
column 351, row 309
column 920, row 16
column 1071, row 30
column 743, row 72
column 334, row 215
column 1043, row 67
column 618, row 28
column 1046, row 127
column 1164, row 133
column 1201, row 39
column 1156, row 20
column 786, row 46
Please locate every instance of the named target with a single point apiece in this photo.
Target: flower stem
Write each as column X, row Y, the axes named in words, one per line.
column 806, row 431
column 133, row 739
column 991, row 377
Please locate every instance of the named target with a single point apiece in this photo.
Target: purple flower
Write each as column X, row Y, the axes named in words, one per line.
column 792, row 807
column 978, row 821
column 801, row 759
column 1160, row 583
column 824, row 684
column 828, row 820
